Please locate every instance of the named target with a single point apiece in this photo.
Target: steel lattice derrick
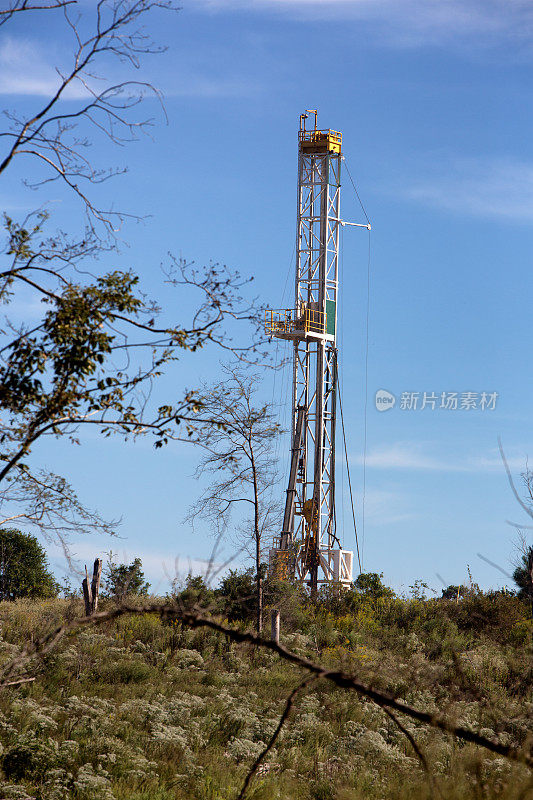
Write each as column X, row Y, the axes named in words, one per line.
column 315, row 361
column 309, row 521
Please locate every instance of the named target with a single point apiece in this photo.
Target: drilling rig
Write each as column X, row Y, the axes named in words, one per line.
column 308, row 549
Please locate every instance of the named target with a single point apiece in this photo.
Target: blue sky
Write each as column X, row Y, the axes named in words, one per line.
column 433, row 102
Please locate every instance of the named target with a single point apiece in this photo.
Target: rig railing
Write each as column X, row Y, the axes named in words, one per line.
column 320, row 140
column 287, row 321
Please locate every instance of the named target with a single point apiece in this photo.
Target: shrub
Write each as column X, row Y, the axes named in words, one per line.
column 195, row 592
column 125, row 671
column 29, row 760
column 186, row 659
column 24, row 570
column 123, row 579
column 237, row 595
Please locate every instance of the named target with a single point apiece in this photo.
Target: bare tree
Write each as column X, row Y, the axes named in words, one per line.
column 527, row 480
column 57, row 136
column 239, row 466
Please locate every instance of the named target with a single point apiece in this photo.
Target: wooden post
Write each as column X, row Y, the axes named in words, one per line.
column 87, row 594
column 95, row 584
column 274, row 622
column 91, row 590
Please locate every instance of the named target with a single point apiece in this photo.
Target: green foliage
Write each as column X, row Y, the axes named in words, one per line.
column 63, row 372
column 124, row 579
column 454, row 592
column 322, row 790
column 523, row 575
column 237, row 595
column 56, row 371
column 71, row 346
column 194, row 592
column 29, row 760
column 492, row 613
column 370, row 584
column 124, row 672
column 24, row 568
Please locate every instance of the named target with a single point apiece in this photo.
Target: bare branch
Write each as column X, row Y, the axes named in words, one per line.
column 47, row 503
column 27, row 5
column 19, row 681
column 519, row 500
column 283, row 719
column 52, row 134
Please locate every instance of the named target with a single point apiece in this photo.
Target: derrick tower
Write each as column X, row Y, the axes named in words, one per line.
column 308, row 549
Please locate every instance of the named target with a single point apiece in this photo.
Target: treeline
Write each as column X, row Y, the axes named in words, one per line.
column 502, row 613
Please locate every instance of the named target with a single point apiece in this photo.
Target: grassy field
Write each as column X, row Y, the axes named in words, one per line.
column 141, row 708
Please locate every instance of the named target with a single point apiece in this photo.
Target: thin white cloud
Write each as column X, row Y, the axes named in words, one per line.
column 160, row 568
column 485, row 187
column 402, row 455
column 25, row 69
column 406, row 22
column 416, row 456
column 384, row 507
column 207, row 87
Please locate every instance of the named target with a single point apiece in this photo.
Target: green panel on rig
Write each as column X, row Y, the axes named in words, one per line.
column 330, row 317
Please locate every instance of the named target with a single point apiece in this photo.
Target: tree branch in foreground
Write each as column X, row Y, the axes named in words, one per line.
column 519, row 500
column 414, row 744
column 283, row 719
column 27, row 5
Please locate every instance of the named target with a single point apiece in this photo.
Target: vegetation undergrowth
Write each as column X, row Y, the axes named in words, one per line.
column 141, row 708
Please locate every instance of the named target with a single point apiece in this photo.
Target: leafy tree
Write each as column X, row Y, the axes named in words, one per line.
column 418, row 590
column 123, row 579
column 523, row 577
column 238, row 461
column 370, row 584
column 454, row 592
column 194, row 592
column 238, row 594
column 24, row 570
column 77, row 367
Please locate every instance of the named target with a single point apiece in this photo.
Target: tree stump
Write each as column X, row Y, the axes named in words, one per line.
column 91, row 590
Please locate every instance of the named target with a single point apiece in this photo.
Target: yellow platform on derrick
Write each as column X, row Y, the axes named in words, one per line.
column 314, row 141
column 288, row 323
